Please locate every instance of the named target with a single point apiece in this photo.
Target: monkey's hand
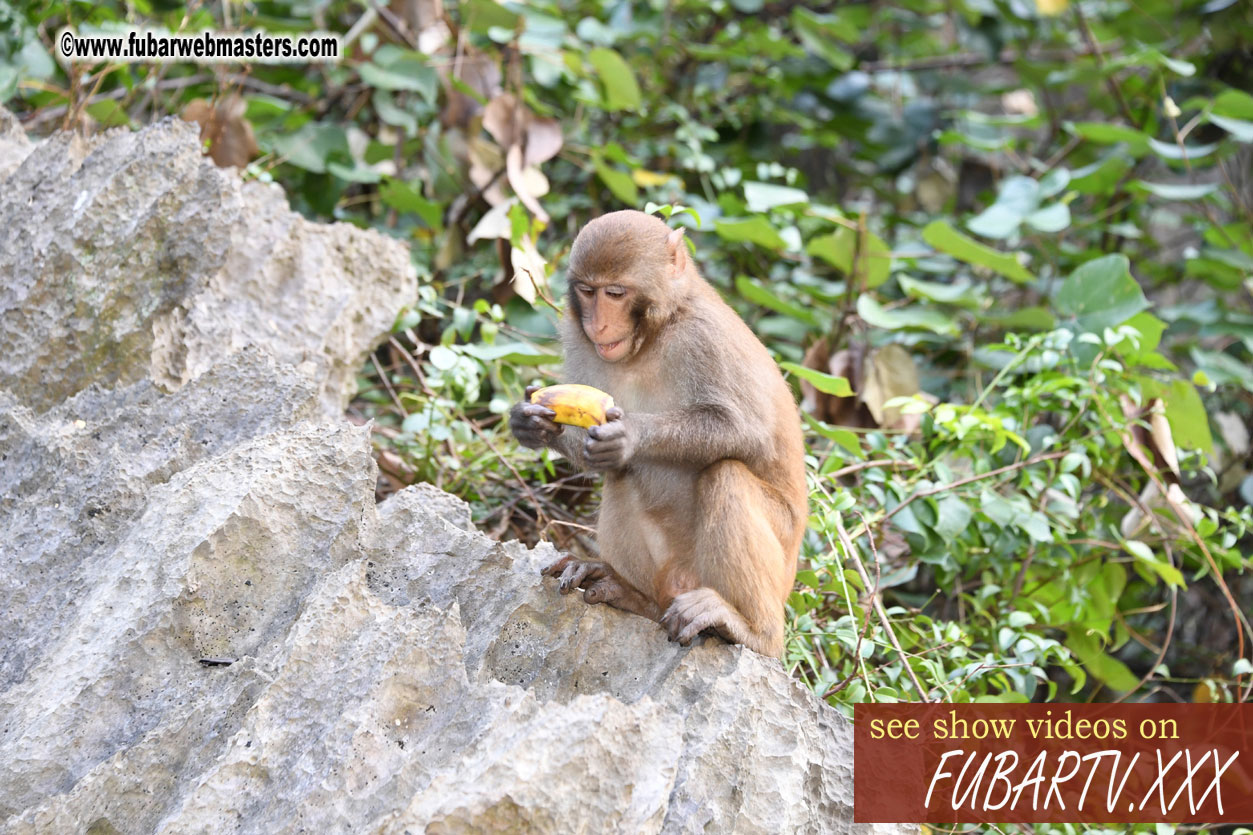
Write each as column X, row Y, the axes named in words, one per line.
column 533, row 425
column 611, row 445
column 600, row 583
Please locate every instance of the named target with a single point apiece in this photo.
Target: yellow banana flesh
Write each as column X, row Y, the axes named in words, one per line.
column 574, row 404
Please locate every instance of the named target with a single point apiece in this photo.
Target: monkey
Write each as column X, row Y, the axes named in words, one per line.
column 704, row 503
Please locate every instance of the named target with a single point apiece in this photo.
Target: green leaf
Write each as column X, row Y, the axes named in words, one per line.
column 1107, row 134
column 353, row 173
column 945, row 238
column 1171, row 150
column 312, row 146
column 401, row 69
column 618, row 182
column 753, row 230
column 758, row 294
column 961, row 294
column 904, row 318
column 1234, row 104
column 1050, row 219
column 622, row 92
column 762, row 197
column 1105, row 667
column 874, row 263
column 393, row 114
column 1223, row 369
column 1100, row 294
column 825, row 383
column 1144, row 556
column 844, row 437
column 1101, row 177
column 481, row 15
column 408, row 198
column 1178, row 191
column 818, row 33
column 1185, row 412
column 1018, row 197
column 108, row 113
column 1240, row 130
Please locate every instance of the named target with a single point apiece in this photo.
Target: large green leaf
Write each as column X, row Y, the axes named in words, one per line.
column 757, row 294
column 825, row 383
column 312, row 146
column 1240, row 130
column 1104, row 133
column 818, row 33
column 408, row 198
column 961, row 294
column 762, row 197
column 1235, row 104
column 752, row 230
column 1100, row 294
column 874, row 263
column 1105, row 667
column 1018, row 197
column 481, row 15
column 945, row 238
column 618, row 182
column 905, row 318
column 622, row 92
column 1178, row 191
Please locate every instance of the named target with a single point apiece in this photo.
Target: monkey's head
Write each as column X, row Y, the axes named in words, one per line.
column 627, row 275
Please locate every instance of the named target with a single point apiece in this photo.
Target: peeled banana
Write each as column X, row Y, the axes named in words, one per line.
column 574, row 404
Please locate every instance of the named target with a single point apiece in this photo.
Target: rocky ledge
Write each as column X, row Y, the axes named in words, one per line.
column 210, row 626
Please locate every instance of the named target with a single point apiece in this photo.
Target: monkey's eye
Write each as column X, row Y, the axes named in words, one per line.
column 615, row 292
column 585, row 290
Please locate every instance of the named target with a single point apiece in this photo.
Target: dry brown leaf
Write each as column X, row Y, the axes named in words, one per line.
column 543, row 140
column 494, row 224
column 513, row 170
column 529, row 270
column 481, row 74
column 1163, row 441
column 1233, row 432
column 225, row 130
column 500, row 119
column 889, row 372
column 486, row 162
column 841, row 411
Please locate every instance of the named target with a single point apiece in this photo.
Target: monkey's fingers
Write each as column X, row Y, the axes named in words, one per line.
column 533, row 410
column 693, row 612
column 614, row 414
column 579, row 574
column 531, row 390
column 557, row 567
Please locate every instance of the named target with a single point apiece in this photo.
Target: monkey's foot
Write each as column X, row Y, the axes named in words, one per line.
column 695, row 611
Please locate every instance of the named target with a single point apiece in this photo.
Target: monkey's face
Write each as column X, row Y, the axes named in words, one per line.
column 607, row 318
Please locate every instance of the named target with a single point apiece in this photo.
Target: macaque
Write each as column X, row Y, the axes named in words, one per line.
column 704, row 502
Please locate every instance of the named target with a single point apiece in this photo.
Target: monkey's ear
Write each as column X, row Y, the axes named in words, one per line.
column 678, row 250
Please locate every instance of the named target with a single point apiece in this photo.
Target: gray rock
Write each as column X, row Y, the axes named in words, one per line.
column 209, row 626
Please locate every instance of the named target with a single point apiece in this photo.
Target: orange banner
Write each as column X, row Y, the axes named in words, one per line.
column 1053, row 763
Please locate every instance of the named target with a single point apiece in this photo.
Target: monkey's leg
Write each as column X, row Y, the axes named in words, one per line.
column 744, row 568
column 600, row 584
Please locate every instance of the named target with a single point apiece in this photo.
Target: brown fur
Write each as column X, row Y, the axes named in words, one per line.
column 705, row 502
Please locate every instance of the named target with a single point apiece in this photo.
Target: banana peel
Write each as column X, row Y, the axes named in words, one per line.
column 575, row 405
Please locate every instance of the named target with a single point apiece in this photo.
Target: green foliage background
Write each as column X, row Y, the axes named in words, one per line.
column 1051, row 214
